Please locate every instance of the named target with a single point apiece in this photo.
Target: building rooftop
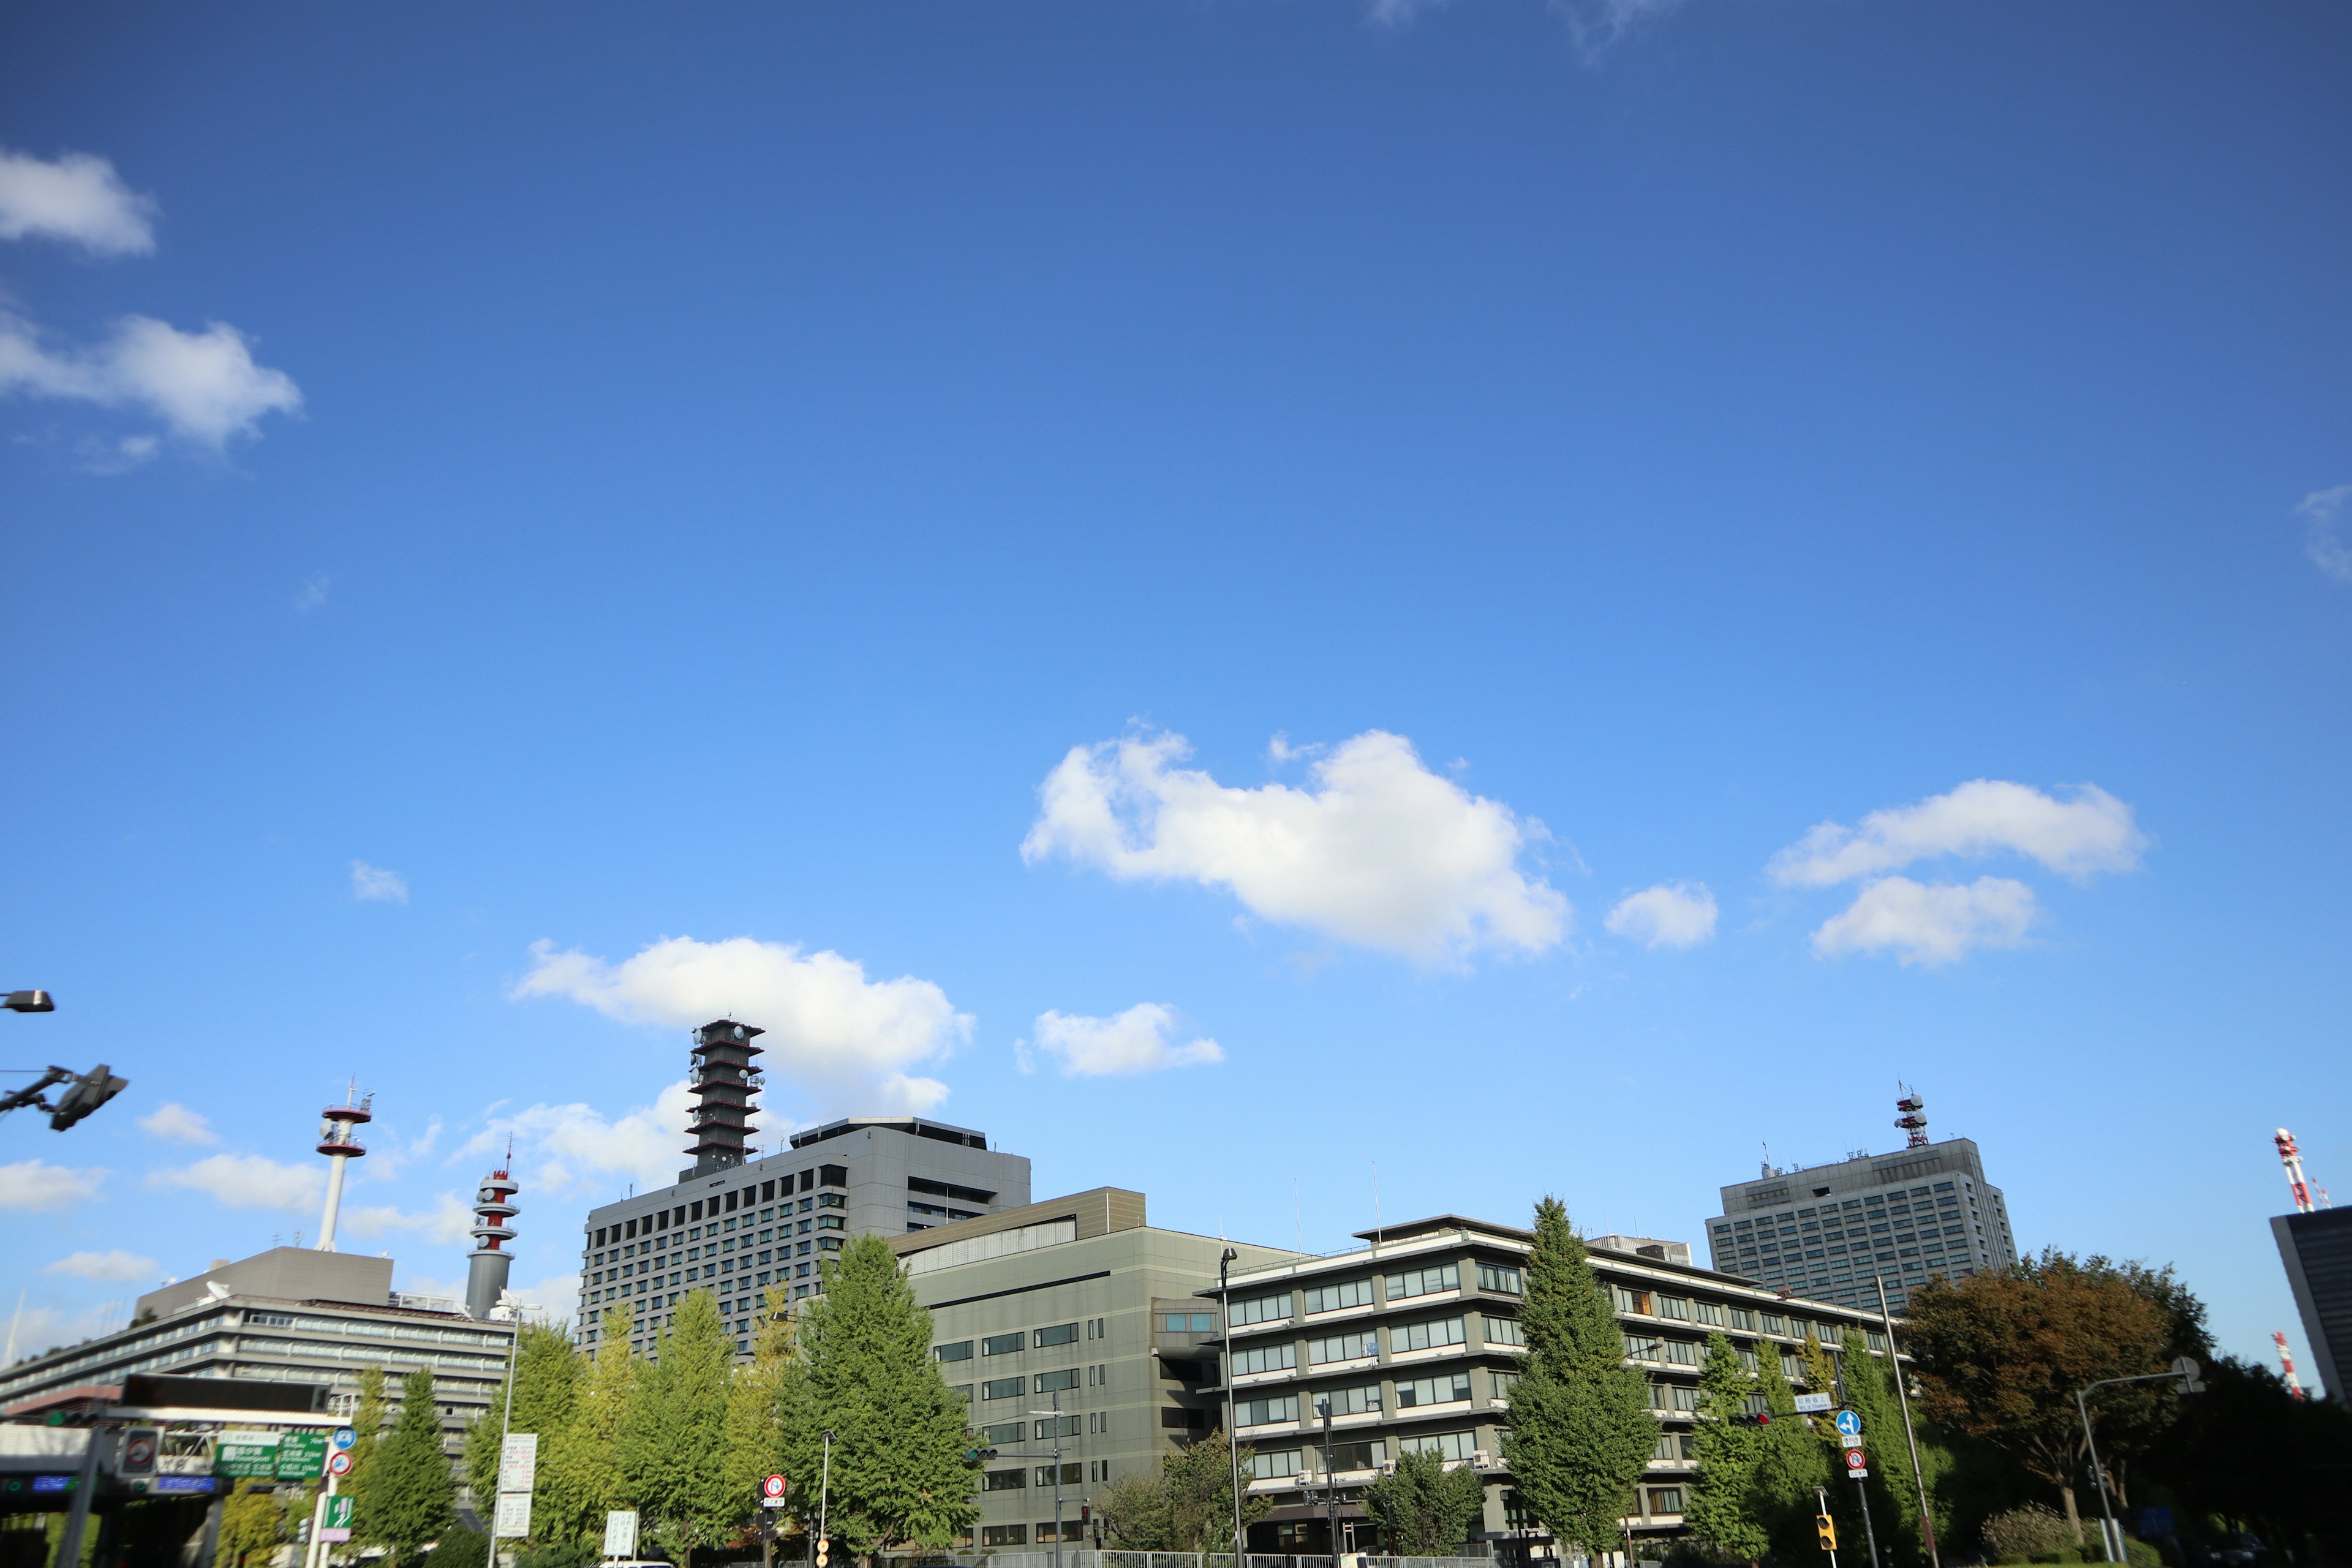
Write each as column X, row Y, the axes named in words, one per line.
column 915, row 1126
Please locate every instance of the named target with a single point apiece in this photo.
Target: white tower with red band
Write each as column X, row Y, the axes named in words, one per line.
column 338, row 1140
column 486, row 1264
column 2292, row 1158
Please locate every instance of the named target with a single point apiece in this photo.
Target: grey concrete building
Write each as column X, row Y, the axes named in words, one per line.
column 737, row 1227
column 2316, row 1248
column 1071, row 1320
column 1827, row 1232
column 1415, row 1342
column 287, row 1315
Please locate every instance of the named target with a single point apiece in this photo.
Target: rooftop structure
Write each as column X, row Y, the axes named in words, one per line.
column 723, row 1082
column 2316, row 1248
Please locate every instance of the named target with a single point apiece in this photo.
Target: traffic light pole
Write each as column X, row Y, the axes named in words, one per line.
column 1828, row 1530
column 1869, row 1530
column 823, row 1547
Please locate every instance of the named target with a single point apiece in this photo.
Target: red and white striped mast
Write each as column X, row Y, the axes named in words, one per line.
column 2287, row 1363
column 2291, row 1159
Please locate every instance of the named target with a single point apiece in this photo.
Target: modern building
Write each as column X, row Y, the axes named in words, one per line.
column 287, row 1315
column 2316, row 1248
column 1073, row 1325
column 1413, row 1343
column 1831, row 1232
column 736, row 1223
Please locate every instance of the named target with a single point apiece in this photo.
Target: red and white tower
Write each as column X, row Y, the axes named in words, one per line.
column 2287, row 1363
column 338, row 1140
column 487, row 1266
column 1914, row 1120
column 2291, row 1159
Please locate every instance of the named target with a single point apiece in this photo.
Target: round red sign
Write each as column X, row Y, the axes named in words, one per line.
column 773, row 1486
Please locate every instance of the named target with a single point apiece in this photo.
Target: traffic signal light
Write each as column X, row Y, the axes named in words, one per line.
column 978, row 1456
column 90, row 1090
column 1757, row 1420
column 824, row 1549
column 1826, row 1528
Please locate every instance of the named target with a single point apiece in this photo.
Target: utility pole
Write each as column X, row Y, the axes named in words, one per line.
column 1902, row 1395
column 1330, row 1477
column 2185, row 1373
column 824, row 1493
column 1233, row 1442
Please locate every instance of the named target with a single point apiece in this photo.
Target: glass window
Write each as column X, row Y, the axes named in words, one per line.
column 1673, row 1307
column 1346, row 1294
column 960, row 1350
column 1343, row 1347
column 1503, row 1383
column 1665, row 1500
column 1496, row 1276
column 1426, row 1281
column 1275, row 1466
column 1360, row 1456
column 1071, row 1476
column 1002, row 1388
column 1686, row 1397
column 1059, row 1334
column 1444, row 1444
column 1261, row 1412
column 1004, row 1535
column 1364, row 1399
column 1643, row 1347
column 1261, row 1309
column 1265, row 1358
column 1633, row 1300
column 1002, row 1344
column 1441, row 1390
column 1044, row 1429
column 1009, row 1480
column 1052, row 1382
column 1774, row 1324
column 1004, row 1432
column 1505, row 1332
column 1682, row 1353
column 1427, row 1336
column 1708, row 1313
column 1203, row 1323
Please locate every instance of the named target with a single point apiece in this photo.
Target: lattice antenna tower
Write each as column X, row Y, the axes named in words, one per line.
column 1913, row 1116
column 2292, row 1158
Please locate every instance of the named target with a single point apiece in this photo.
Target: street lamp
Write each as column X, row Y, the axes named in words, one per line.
column 2185, row 1373
column 28, row 1002
column 1233, row 1443
column 1056, row 1413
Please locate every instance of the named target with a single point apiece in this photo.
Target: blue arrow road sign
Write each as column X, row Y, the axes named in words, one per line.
column 1848, row 1424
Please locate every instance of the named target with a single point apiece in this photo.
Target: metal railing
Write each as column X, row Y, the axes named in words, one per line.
column 1077, row 1557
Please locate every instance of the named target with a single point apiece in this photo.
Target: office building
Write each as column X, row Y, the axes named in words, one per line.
column 1831, row 1232
column 1071, row 1321
column 736, row 1223
column 2316, row 1248
column 1414, row 1341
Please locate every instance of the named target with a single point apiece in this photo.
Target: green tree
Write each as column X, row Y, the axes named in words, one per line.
column 1134, row 1514
column 760, row 1396
column 251, row 1524
column 1425, row 1508
column 580, row 1472
column 1189, row 1505
column 1790, row 1461
column 547, row 1379
column 1893, row 1486
column 867, row 1375
column 672, row 1444
column 1581, row 1432
column 411, row 1497
column 1719, row 1507
column 368, row 1421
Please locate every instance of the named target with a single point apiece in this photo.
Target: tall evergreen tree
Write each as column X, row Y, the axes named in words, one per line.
column 1581, row 1432
column 1426, row 1509
column 411, row 1498
column 580, row 1471
column 868, row 1376
column 1790, row 1461
column 547, row 1378
column 1893, row 1488
column 367, row 1420
column 760, row 1396
column 672, row 1443
column 1720, row 1505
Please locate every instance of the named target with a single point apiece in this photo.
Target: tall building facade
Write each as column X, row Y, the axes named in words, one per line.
column 1413, row 1343
column 2316, row 1248
column 1831, row 1232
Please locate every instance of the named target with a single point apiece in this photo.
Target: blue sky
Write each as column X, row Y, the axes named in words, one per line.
column 527, row 526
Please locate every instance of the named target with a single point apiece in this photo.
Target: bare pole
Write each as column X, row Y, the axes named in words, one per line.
column 1233, row 1442
column 1903, row 1397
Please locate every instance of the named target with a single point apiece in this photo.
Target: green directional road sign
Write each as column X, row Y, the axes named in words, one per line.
column 339, row 1511
column 247, row 1456
column 301, row 1456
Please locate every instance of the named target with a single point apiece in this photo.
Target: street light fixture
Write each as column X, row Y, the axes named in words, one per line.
column 2186, row 1376
column 28, row 1002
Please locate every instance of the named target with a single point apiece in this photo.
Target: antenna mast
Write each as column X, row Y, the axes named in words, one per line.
column 2287, row 1363
column 2291, row 1159
column 1914, row 1120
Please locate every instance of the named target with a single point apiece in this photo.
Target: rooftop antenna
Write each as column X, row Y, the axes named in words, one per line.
column 1914, row 1120
column 2287, row 1363
column 1376, row 1206
column 1767, row 1160
column 2292, row 1158
column 339, row 1141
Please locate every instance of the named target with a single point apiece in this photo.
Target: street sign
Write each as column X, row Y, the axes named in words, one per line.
column 301, row 1456
column 519, row 1462
column 1850, row 1440
column 346, row 1436
column 1849, row 1424
column 774, row 1487
column 1813, row 1403
column 339, row 1509
column 513, row 1515
column 340, row 1465
column 247, row 1456
column 140, row 1446
column 621, row 1534
column 1857, row 1463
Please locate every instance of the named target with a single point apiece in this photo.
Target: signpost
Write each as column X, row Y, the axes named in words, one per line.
column 1857, row 1465
column 301, row 1456
column 247, row 1456
column 340, row 1465
column 518, row 1472
column 513, row 1516
column 1813, row 1403
column 335, row 1520
column 621, row 1533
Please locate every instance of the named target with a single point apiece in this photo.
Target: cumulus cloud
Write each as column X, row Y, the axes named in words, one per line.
column 76, row 197
column 1930, row 925
column 556, row 1296
column 446, row 1223
column 36, row 1187
column 204, row 385
column 1380, row 852
column 374, row 884
column 2091, row 831
column 1141, row 1039
column 2321, row 511
column 841, row 1039
column 176, row 1124
column 1671, row 914
column 114, row 1266
column 573, row 1147
column 247, row 1182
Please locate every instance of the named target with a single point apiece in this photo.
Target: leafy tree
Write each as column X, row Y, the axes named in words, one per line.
column 1581, row 1432
column 460, row 1548
column 547, row 1378
column 1892, row 1485
column 580, row 1473
column 2000, row 1356
column 1426, row 1509
column 760, row 1396
column 2250, row 1456
column 673, row 1436
column 868, row 1376
column 1790, row 1460
column 411, row 1498
column 1134, row 1514
column 1719, row 1507
column 367, row 1421
column 1187, row 1507
column 251, row 1523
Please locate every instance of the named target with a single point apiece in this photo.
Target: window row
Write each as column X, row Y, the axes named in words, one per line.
column 1021, row 1338
column 1400, row 1285
column 1363, row 1344
column 750, row 1196
column 1366, row 1399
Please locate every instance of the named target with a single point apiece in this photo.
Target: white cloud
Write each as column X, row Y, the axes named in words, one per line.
column 446, row 1223
column 203, row 385
column 575, row 1147
column 1381, row 852
column 249, row 1182
column 842, row 1039
column 2091, row 832
column 36, row 1187
column 1671, row 914
column 1595, row 24
column 1138, row 1040
column 555, row 1296
column 114, row 1265
column 1931, row 925
column 2320, row 511
column 78, row 197
column 176, row 1123
column 374, row 884
column 312, row 594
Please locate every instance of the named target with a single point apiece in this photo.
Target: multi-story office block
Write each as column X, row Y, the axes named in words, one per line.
column 735, row 1226
column 1072, row 1323
column 1413, row 1343
column 287, row 1315
column 1829, row 1232
column 2317, row 1246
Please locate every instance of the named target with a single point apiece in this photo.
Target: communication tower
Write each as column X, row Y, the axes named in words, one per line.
column 1914, row 1120
column 486, row 1264
column 338, row 1140
column 723, row 1082
column 2292, row 1158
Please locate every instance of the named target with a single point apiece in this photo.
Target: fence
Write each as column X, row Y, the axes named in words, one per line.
column 1077, row 1557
